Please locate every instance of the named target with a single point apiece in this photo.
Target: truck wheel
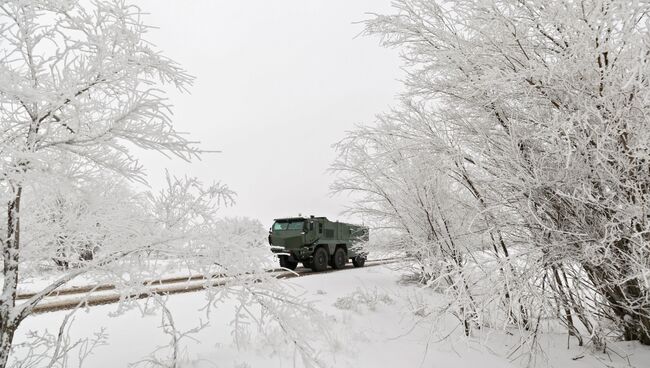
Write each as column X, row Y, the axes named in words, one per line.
column 286, row 263
column 359, row 261
column 339, row 258
column 321, row 258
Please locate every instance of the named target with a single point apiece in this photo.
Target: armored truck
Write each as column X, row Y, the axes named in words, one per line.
column 317, row 242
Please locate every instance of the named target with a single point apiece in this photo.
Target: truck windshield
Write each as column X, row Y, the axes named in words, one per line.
column 285, row 225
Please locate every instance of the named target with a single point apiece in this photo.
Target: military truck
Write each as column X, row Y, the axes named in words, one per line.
column 317, row 242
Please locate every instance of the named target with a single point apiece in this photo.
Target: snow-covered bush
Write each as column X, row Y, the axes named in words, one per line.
column 363, row 299
column 518, row 160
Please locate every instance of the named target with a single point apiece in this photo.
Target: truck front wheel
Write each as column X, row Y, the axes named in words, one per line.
column 287, row 263
column 321, row 258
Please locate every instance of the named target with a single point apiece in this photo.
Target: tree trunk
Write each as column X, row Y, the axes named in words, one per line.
column 633, row 318
column 6, row 338
column 637, row 321
column 11, row 254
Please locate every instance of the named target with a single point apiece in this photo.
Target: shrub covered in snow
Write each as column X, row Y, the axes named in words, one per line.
column 363, row 299
column 516, row 167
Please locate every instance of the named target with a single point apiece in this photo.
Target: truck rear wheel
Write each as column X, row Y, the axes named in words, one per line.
column 359, row 261
column 321, row 258
column 286, row 263
column 339, row 258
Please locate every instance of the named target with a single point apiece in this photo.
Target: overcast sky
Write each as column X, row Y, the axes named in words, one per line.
column 277, row 83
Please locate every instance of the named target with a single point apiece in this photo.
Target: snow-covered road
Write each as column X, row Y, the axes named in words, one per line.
column 375, row 322
column 101, row 294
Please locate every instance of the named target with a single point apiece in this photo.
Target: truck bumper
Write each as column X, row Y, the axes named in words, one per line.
column 299, row 255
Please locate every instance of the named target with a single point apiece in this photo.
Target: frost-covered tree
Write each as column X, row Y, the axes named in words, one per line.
column 538, row 110
column 407, row 180
column 80, row 94
column 76, row 83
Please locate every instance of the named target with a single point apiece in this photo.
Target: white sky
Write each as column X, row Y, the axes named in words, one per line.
column 278, row 82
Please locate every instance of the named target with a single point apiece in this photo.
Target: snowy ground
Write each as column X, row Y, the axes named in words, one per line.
column 168, row 268
column 159, row 267
column 388, row 324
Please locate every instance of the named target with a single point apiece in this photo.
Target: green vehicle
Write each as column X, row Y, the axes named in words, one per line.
column 317, row 242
